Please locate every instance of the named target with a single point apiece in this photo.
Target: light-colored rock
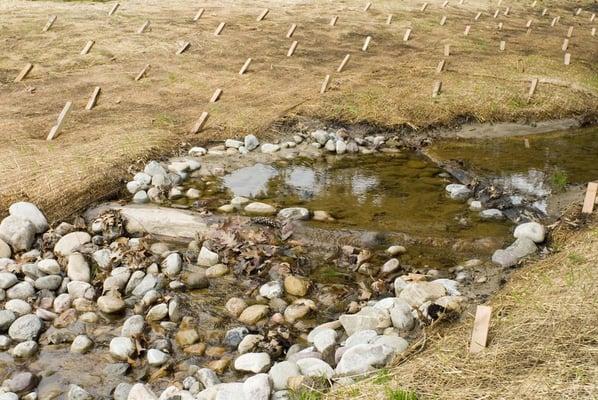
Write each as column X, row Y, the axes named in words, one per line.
column 417, row 293
column 269, row 148
column 451, row 286
column 315, row 367
column 248, row 343
column 510, row 256
column 260, row 208
column 48, row 282
column 402, row 316
column 70, row 242
column 81, row 344
column 281, row 372
column 475, row 205
column 139, row 391
column 322, row 216
column 257, row 387
column 366, row 318
column 320, row 136
column 390, row 266
column 530, row 230
column 458, row 192
column 362, row 337
column 49, row 266
column 217, row 270
column 396, row 343
column 31, row 213
column 207, row 258
column 7, row 280
column 395, row 250
column 111, row 303
column 5, row 251
column 294, row 213
column 252, row 314
column 363, row 358
column 296, row 286
column 18, row 306
column 148, row 283
column 157, row 358
column 197, row 151
column 157, row 312
column 27, row 327
column 19, row 233
column 253, row 362
column 172, row 264
column 133, row 326
column 235, row 144
column 122, row 348
column 7, row 317
column 22, row 291
column 492, row 214
column 25, row 349
column 235, row 306
column 325, row 340
column 78, row 393
column 271, row 290
column 251, row 142
column 78, row 268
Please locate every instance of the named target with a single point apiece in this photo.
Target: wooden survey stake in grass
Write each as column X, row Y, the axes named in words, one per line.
column 479, row 335
column 407, row 35
column 93, row 99
column 366, row 43
column 291, row 31
column 440, row 66
column 143, row 27
column 60, row 121
column 325, row 84
column 590, row 199
column 343, row 63
column 292, row 48
column 367, row 7
column 200, row 122
column 87, row 47
column 567, row 59
column 333, row 20
column 389, row 19
column 436, row 89
column 24, row 72
column 183, row 48
column 219, row 29
column 142, row 72
column 532, row 89
column 447, row 50
column 198, row 15
column 113, row 9
column 262, row 15
column 49, row 24
column 245, row 66
column 216, row 95
column 503, row 45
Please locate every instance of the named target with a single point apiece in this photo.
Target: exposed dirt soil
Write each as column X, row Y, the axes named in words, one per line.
column 389, row 86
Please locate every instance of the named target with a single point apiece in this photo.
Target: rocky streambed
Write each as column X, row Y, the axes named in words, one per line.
column 253, row 270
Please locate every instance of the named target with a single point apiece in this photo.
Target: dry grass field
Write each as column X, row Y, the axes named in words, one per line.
column 389, row 85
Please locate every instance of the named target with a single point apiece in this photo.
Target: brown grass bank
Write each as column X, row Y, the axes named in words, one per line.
column 390, row 85
column 543, row 341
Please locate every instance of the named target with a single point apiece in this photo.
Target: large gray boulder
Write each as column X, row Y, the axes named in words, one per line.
column 530, row 230
column 363, row 358
column 27, row 327
column 70, row 242
column 31, row 213
column 366, row 318
column 17, row 232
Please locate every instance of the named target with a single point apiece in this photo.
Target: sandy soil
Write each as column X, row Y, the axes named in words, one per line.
column 390, row 85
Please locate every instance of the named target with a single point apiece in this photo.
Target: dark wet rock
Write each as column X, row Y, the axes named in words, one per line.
column 234, row 336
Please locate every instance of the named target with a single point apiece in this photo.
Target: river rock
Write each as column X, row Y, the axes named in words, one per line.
column 7, row 280
column 17, row 232
column 417, row 293
column 22, row 291
column 133, row 326
column 320, row 136
column 18, row 306
column 111, row 303
column 80, row 290
column 390, row 266
column 172, row 264
column 281, row 372
column 396, row 250
column 396, row 343
column 157, row 312
column 21, row 382
column 139, row 391
column 78, row 268
column 294, row 213
column 366, row 318
column 49, row 266
column 222, row 391
column 257, row 387
column 5, row 251
column 322, row 216
column 81, row 344
column 148, row 283
column 458, row 192
column 248, row 343
column 251, row 142
column 234, row 336
column 510, row 256
column 530, row 230
column 78, row 393
column 207, row 258
column 402, row 316
column 253, row 362
column 207, row 377
column 298, row 310
column 363, row 358
column 48, row 282
column 252, row 314
column 315, row 367
column 296, row 286
column 260, row 208
column 156, row 358
column 269, row 148
column 325, row 340
column 122, row 348
column 492, row 214
column 235, row 306
column 271, row 290
column 217, row 270
column 27, row 327
column 31, row 213
column 25, row 349
column 71, row 242
column 7, row 317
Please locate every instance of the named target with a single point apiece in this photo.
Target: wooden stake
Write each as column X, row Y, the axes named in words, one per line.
column 367, row 7
column 389, row 19
column 198, row 15
column 436, row 88
column 499, row 3
column 503, row 45
column 593, row 32
column 565, row 44
column 262, row 15
column 343, row 63
column 479, row 335
column 93, row 99
column 59, row 122
column 592, row 17
column 526, row 143
column 366, row 43
column 578, row 11
column 567, row 59
column 440, row 66
column 570, row 32
column 467, row 29
column 477, row 16
column 245, row 66
column 87, row 47
column 553, row 23
column 183, row 48
column 24, row 72
column 291, row 30
column 49, row 24
column 333, row 20
column 145, row 25
column 424, row 6
column 443, row 20
column 445, row 4
column 219, row 29
column 447, row 50
column 113, row 9
column 590, row 199
column 461, row 2
column 534, row 3
column 407, row 35
column 216, row 95
column 507, row 10
column 325, row 83
column 200, row 122
column 499, row 26
column 532, row 89
column 529, row 23
column 142, row 73
column 292, row 48
column 544, row 11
